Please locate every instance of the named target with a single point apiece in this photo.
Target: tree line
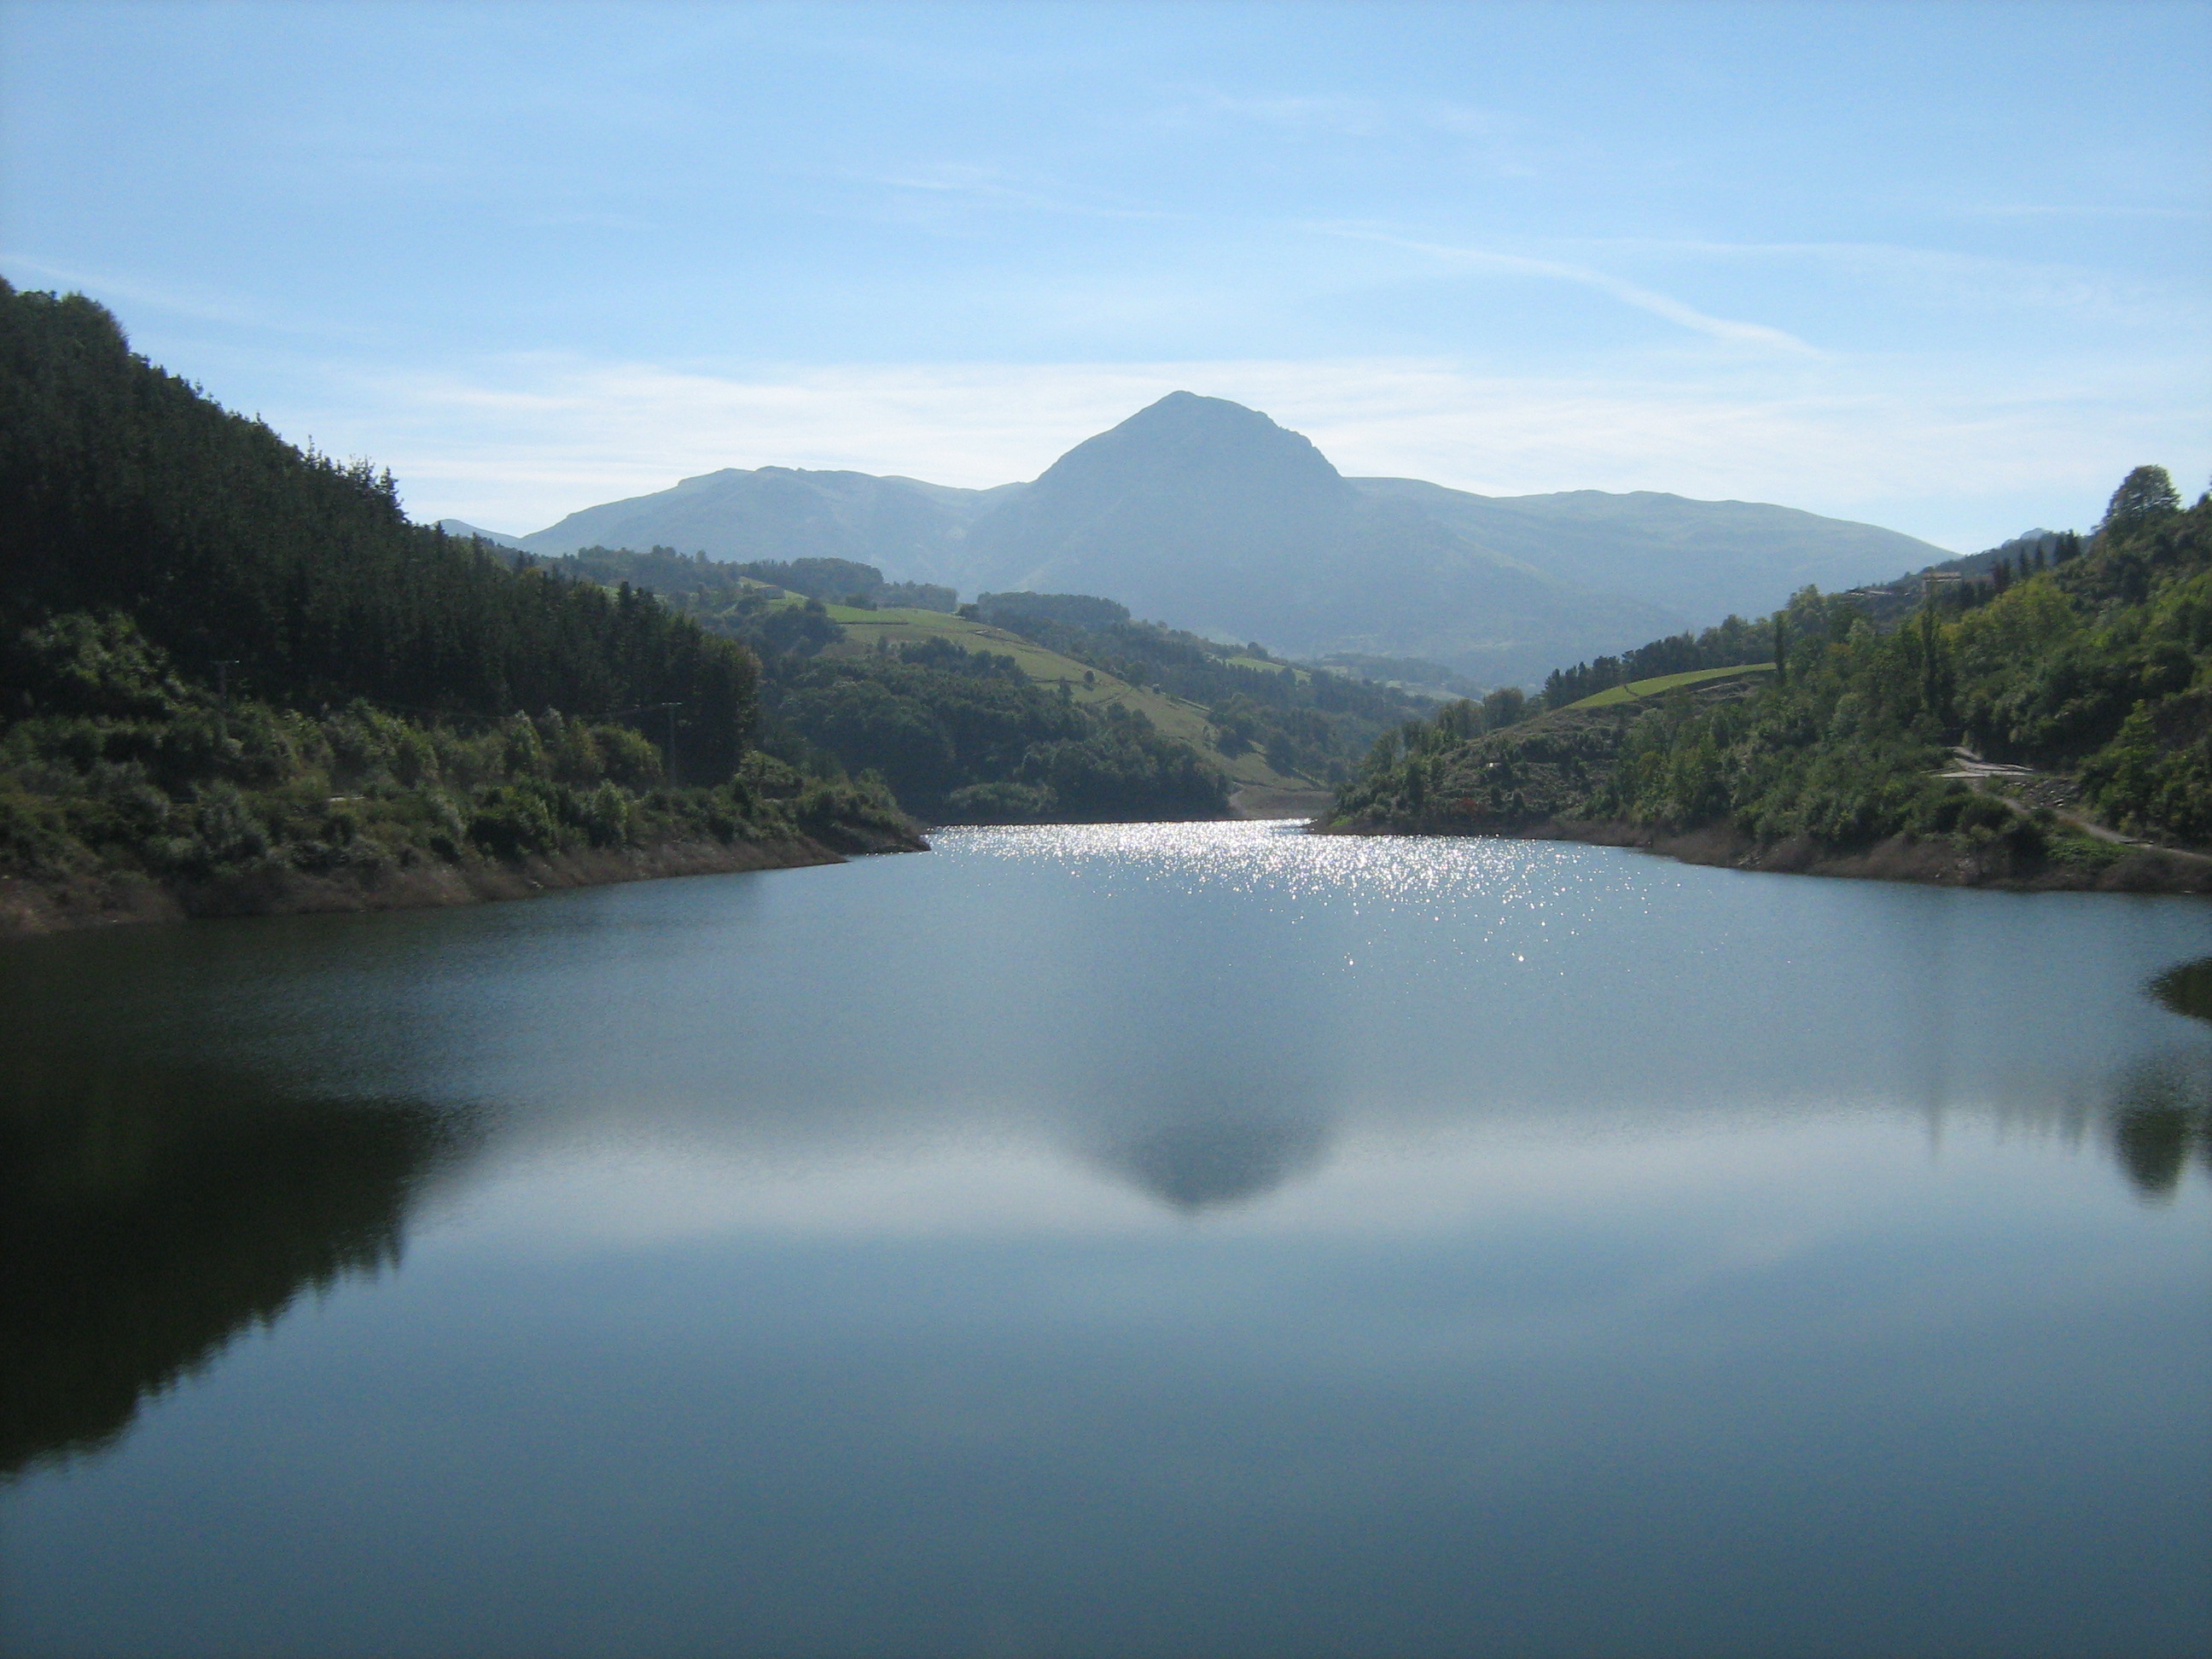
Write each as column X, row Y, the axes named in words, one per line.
column 298, row 578
column 1306, row 721
column 225, row 661
column 2090, row 659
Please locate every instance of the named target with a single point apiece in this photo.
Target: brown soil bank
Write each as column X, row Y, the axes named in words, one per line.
column 29, row 907
column 1939, row 862
column 1255, row 801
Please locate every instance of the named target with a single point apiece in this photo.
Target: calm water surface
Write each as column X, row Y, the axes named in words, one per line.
column 1190, row 1239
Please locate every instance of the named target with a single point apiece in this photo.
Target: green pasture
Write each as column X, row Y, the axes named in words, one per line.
column 1637, row 690
column 1171, row 716
column 1241, row 661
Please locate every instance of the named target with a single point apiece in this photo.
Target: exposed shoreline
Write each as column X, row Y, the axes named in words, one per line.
column 1900, row 858
column 30, row 907
column 1255, row 800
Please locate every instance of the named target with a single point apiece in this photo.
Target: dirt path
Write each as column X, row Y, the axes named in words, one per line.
column 1970, row 768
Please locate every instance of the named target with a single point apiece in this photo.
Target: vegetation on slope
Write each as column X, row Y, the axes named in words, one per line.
column 967, row 737
column 114, row 765
column 123, row 489
column 1734, row 643
column 1122, row 720
column 964, row 722
column 921, row 635
column 2095, row 670
column 699, row 582
column 1648, row 690
column 224, row 662
column 1305, row 724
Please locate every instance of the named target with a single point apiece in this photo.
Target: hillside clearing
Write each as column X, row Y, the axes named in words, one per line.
column 1172, row 717
column 1636, row 690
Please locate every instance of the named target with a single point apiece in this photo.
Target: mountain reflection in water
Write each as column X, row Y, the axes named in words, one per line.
column 1201, row 1161
column 1128, row 1240
column 150, row 1215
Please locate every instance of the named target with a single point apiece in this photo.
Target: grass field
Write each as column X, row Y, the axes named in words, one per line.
column 1172, row 716
column 1240, row 661
column 1636, row 690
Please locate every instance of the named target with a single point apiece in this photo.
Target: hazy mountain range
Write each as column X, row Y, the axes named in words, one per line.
column 1207, row 515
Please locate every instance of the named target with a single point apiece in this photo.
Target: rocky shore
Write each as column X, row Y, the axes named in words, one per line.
column 30, row 907
column 1938, row 862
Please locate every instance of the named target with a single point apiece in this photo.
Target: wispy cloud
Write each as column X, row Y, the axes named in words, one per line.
column 993, row 187
column 1727, row 329
column 1949, row 273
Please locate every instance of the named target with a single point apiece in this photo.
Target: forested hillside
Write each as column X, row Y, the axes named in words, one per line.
column 2033, row 721
column 952, row 729
column 225, row 662
column 1307, row 723
column 958, row 735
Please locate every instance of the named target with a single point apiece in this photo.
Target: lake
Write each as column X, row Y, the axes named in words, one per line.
column 1126, row 1240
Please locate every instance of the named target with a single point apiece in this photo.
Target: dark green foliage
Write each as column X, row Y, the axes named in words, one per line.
column 1735, row 641
column 935, row 722
column 672, row 575
column 123, row 489
column 150, row 542
column 1069, row 610
column 113, row 763
column 2095, row 663
column 1307, row 722
column 966, row 736
column 838, row 580
column 2145, row 496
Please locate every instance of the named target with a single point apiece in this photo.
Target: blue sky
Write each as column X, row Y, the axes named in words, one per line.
column 1944, row 268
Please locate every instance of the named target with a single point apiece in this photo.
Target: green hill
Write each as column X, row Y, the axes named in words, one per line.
column 1178, row 718
column 236, row 677
column 962, row 715
column 2046, row 722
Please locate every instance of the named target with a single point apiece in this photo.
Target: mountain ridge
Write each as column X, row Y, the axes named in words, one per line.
column 1211, row 516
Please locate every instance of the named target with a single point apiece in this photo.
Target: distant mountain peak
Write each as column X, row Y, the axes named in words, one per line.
column 1191, row 408
column 1209, row 515
column 1185, row 435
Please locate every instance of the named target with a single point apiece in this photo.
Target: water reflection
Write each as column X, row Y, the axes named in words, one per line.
column 2160, row 1111
column 1591, row 1255
column 1202, row 1162
column 150, row 1215
column 2160, row 1116
column 2187, row 989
